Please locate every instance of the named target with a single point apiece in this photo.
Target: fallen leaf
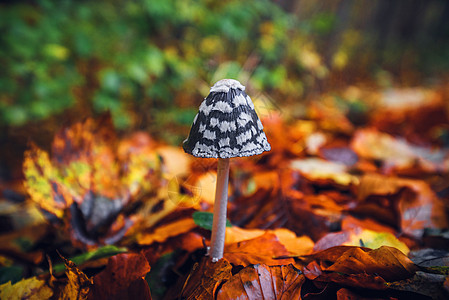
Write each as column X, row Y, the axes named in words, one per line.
column 30, row 289
column 427, row 284
column 259, row 250
column 396, row 152
column 373, row 240
column 388, row 262
column 315, row 168
column 102, row 252
column 123, row 278
column 164, row 232
column 264, row 282
column 86, row 185
column 364, row 238
column 78, row 284
column 295, row 245
column 416, row 205
column 175, row 161
column 41, row 182
column 205, row 278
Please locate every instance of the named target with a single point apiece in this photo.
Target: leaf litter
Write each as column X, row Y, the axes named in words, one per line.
column 334, row 208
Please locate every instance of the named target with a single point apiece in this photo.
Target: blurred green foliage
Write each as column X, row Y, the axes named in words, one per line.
column 141, row 57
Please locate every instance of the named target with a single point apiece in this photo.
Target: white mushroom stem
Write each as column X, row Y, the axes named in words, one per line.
column 220, row 206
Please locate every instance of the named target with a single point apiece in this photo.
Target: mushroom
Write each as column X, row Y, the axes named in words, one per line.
column 226, row 126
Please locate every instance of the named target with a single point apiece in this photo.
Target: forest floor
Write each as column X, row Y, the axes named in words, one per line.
column 352, row 202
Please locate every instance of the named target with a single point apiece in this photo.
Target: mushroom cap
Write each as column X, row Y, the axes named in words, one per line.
column 226, row 124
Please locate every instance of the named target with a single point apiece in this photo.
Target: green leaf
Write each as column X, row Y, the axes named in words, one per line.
column 157, row 277
column 12, row 273
column 204, row 219
column 106, row 251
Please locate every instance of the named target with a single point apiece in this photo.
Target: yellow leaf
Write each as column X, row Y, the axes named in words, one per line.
column 315, row 168
column 39, row 181
column 78, row 284
column 372, row 239
column 30, row 289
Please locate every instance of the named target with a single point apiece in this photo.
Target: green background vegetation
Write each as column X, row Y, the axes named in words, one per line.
column 148, row 62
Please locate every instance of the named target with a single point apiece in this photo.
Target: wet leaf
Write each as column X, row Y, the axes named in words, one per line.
column 264, row 282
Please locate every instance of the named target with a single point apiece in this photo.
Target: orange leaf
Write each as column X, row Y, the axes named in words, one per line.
column 163, row 232
column 264, row 282
column 260, row 250
column 205, row 278
column 295, row 245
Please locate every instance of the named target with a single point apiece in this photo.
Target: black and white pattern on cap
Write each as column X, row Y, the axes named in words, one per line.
column 226, row 125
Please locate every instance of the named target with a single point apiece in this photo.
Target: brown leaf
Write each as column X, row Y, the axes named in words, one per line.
column 390, row 263
column 123, row 278
column 260, row 250
column 387, row 262
column 412, row 200
column 264, row 282
column 205, row 278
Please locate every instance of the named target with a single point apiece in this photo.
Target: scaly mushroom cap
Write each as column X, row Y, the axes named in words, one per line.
column 226, row 125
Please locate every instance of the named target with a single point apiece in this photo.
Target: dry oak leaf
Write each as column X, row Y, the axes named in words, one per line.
column 205, row 278
column 388, row 263
column 27, row 289
column 418, row 209
column 264, row 282
column 260, row 250
column 122, row 279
